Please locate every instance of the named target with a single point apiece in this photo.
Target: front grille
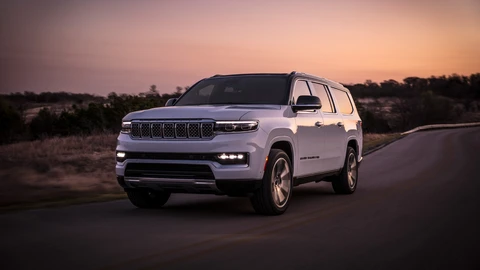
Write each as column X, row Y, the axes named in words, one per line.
column 169, row 130
column 145, row 130
column 172, row 130
column 207, row 130
column 136, row 130
column 181, row 130
column 175, row 171
column 193, row 130
column 156, row 130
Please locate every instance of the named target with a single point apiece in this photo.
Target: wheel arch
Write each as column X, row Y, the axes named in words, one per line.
column 353, row 142
column 285, row 144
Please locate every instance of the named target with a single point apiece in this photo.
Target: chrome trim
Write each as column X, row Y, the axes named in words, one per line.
column 187, row 181
column 198, row 129
column 148, row 127
column 160, row 126
column 213, row 129
column 178, row 125
column 138, row 132
column 172, row 130
column 237, row 123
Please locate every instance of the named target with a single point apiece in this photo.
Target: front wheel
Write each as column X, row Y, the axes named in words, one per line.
column 346, row 182
column 147, row 198
column 274, row 195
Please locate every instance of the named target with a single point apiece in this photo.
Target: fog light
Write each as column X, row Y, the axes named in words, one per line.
column 121, row 156
column 232, row 158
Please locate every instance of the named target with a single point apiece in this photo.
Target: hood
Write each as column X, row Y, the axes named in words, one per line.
column 230, row 112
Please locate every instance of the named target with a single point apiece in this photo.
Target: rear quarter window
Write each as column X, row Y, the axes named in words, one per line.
column 344, row 104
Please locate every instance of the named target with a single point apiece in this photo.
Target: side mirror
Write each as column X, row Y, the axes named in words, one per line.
column 170, row 102
column 306, row 103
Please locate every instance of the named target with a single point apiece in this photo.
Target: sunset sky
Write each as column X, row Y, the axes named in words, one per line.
column 125, row 46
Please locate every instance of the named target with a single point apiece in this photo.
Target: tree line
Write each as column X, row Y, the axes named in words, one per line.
column 453, row 86
column 416, row 101
column 100, row 115
column 412, row 102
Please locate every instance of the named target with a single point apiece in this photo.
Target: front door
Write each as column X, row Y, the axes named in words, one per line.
column 310, row 140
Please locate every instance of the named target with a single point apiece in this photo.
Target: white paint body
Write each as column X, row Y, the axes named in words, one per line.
column 316, row 149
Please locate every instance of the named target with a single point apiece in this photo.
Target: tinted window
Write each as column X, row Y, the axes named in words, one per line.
column 248, row 89
column 343, row 102
column 322, row 93
column 301, row 89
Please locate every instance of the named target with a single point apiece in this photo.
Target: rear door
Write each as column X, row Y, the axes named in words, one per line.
column 310, row 141
column 333, row 130
column 345, row 107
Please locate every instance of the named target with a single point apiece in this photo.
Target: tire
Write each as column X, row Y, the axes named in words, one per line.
column 147, row 199
column 273, row 196
column 346, row 182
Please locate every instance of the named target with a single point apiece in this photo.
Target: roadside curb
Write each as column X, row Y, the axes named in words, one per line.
column 440, row 126
column 422, row 128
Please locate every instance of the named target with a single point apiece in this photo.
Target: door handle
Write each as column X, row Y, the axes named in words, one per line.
column 340, row 124
column 318, row 124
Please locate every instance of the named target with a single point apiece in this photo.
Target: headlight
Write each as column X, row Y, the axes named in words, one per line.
column 126, row 127
column 235, row 126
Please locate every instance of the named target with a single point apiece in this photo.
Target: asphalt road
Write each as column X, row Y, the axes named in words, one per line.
column 417, row 207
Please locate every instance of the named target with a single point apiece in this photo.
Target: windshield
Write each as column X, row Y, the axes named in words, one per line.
column 245, row 89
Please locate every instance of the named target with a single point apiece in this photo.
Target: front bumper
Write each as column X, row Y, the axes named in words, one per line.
column 219, row 187
column 239, row 176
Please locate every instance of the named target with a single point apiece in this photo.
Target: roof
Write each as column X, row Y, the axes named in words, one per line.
column 321, row 79
column 293, row 74
column 251, row 74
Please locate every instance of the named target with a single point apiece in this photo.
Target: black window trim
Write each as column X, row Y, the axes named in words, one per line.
column 327, row 89
column 293, row 89
column 290, row 103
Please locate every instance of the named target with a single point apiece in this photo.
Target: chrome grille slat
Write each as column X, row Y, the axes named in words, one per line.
column 135, row 130
column 181, row 130
column 207, row 129
column 156, row 130
column 145, row 130
column 193, row 130
column 171, row 129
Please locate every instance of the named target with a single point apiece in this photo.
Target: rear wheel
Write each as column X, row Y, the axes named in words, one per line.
column 346, row 182
column 274, row 195
column 147, row 198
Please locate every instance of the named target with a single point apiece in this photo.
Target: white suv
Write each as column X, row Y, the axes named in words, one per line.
column 255, row 135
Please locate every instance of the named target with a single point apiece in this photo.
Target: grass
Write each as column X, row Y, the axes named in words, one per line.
column 57, row 169
column 72, row 170
column 373, row 140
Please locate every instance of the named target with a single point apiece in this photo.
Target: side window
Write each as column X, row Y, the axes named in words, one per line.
column 206, row 91
column 344, row 102
column 301, row 89
column 325, row 98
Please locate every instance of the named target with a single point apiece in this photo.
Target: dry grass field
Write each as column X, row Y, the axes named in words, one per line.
column 72, row 169
column 57, row 168
column 372, row 140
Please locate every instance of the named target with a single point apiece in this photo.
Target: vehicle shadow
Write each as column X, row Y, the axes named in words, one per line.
column 195, row 205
